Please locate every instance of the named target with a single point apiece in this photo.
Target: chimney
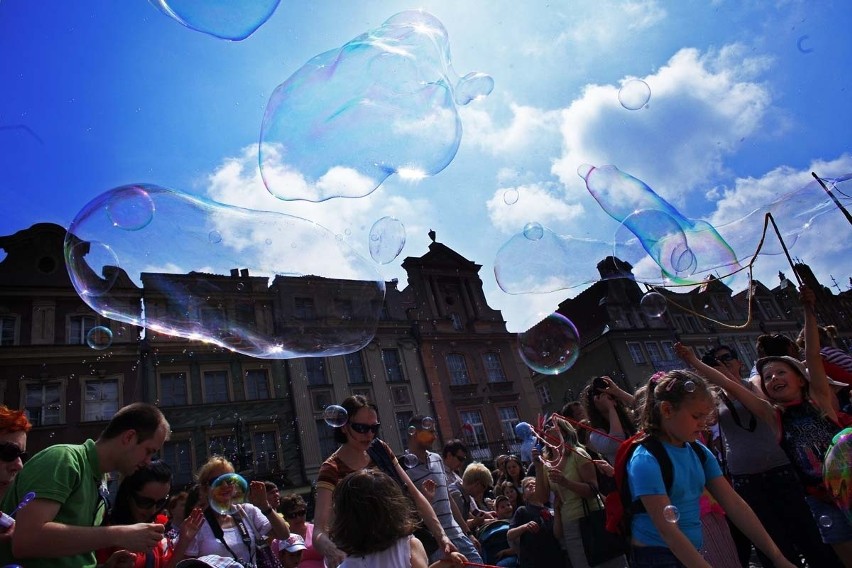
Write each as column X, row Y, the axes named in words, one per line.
column 244, row 273
column 235, row 273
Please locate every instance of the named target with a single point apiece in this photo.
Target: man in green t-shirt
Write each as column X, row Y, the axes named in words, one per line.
column 61, row 526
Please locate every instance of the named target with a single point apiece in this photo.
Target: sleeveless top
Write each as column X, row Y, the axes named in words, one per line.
column 750, row 445
column 398, row 555
column 805, row 437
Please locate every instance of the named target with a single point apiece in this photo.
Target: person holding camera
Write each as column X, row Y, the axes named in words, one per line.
column 607, row 407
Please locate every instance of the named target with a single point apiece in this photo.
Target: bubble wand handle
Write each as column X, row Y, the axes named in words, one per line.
column 833, row 197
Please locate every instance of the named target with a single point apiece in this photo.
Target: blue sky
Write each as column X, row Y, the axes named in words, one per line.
column 747, row 98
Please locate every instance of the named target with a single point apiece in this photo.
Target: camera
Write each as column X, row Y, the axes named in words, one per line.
column 599, row 384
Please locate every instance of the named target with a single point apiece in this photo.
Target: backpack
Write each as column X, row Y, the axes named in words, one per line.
column 619, row 504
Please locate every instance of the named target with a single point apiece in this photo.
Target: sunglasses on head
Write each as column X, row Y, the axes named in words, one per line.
column 10, row 451
column 148, row 503
column 294, row 514
column 364, row 428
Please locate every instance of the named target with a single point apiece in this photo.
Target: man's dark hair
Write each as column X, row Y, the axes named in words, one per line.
column 416, row 421
column 775, row 344
column 453, row 446
column 145, row 419
column 718, row 348
column 270, row 485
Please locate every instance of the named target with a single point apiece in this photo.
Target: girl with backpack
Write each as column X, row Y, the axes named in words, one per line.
column 665, row 522
column 803, row 412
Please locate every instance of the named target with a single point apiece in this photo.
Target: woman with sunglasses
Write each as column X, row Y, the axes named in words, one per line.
column 355, row 438
column 141, row 498
column 13, row 445
column 295, row 512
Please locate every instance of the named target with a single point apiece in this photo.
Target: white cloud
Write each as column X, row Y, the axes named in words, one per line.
column 592, row 30
column 701, row 107
column 528, row 127
column 540, row 202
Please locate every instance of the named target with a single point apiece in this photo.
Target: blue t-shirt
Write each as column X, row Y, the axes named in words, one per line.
column 689, row 477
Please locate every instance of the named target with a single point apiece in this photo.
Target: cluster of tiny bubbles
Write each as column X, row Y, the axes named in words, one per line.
column 671, row 514
column 227, row 490
column 410, row 460
column 825, row 521
column 387, row 239
column 201, row 242
column 335, row 416
column 99, row 337
column 510, row 196
column 634, row 94
column 225, row 19
column 385, row 102
column 533, row 231
column 685, row 250
column 689, row 386
column 653, row 304
column 551, row 346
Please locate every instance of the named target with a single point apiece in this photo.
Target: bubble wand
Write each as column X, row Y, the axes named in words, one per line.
column 7, row 521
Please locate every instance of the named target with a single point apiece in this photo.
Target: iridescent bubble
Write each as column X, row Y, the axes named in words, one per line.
column 533, row 231
column 550, row 346
column 99, row 337
column 427, row 423
column 387, row 239
column 510, row 196
column 410, row 460
column 825, row 521
column 689, row 386
column 686, row 251
column 335, row 416
column 214, row 237
column 226, row 491
column 671, row 514
column 634, row 94
column 653, row 304
column 225, row 19
column 131, row 208
column 190, row 289
column 837, row 471
column 384, row 103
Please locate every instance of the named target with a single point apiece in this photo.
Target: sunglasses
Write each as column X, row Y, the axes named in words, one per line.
column 10, row 451
column 461, row 458
column 294, row 514
column 725, row 358
column 364, row 428
column 148, row 503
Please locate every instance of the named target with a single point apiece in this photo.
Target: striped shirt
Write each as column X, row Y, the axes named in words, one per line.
column 434, row 469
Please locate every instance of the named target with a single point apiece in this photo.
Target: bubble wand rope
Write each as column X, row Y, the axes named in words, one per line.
column 833, row 197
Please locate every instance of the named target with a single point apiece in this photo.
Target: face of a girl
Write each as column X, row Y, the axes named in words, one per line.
column 504, row 510
column 513, row 469
column 149, row 501
column 782, row 383
column 366, row 416
column 510, row 492
column 685, row 423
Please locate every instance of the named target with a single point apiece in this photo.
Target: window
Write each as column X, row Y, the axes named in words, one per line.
column 681, row 324
column 393, row 366
column 8, row 330
column 212, row 317
column 343, row 309
column 693, row 322
column 265, row 452
column 78, row 329
column 402, row 420
column 668, row 350
column 224, row 445
column 767, row 307
column 244, row 314
column 401, row 396
column 101, row 399
column 43, row 403
column 544, row 394
column 173, row 391
column 458, row 369
column 325, row 435
column 320, row 399
column 653, row 351
column 636, row 352
column 257, row 384
column 315, row 371
column 508, row 419
column 493, row 368
column 474, row 434
column 457, row 322
column 178, row 454
column 355, row 368
column 303, row 308
column 215, row 386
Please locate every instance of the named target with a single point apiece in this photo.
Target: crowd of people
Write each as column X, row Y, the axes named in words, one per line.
column 713, row 463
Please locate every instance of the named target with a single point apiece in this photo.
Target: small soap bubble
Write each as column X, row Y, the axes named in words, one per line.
column 671, row 514
column 214, row 237
column 653, row 304
column 131, row 208
column 226, row 491
column 533, row 231
column 410, row 460
column 551, row 346
column 825, row 521
column 510, row 196
column 428, row 423
column 335, row 416
column 99, row 337
column 387, row 238
column 689, row 386
column 634, row 94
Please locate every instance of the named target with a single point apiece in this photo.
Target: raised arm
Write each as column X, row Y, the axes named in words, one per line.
column 427, row 513
column 819, row 390
column 758, row 406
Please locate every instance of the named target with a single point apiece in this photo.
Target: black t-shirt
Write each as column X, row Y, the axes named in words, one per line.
column 538, row 549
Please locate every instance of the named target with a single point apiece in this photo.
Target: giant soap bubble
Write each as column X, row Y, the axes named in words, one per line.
column 227, row 491
column 211, row 272
column 551, row 346
column 384, row 103
column 225, row 19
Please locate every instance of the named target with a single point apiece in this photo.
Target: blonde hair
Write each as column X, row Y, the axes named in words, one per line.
column 478, row 472
column 204, row 474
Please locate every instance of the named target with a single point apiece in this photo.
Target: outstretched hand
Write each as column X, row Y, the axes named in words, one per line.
column 807, row 296
column 685, row 353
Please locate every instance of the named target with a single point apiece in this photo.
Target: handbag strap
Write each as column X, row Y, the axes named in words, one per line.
column 217, row 531
column 597, row 495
